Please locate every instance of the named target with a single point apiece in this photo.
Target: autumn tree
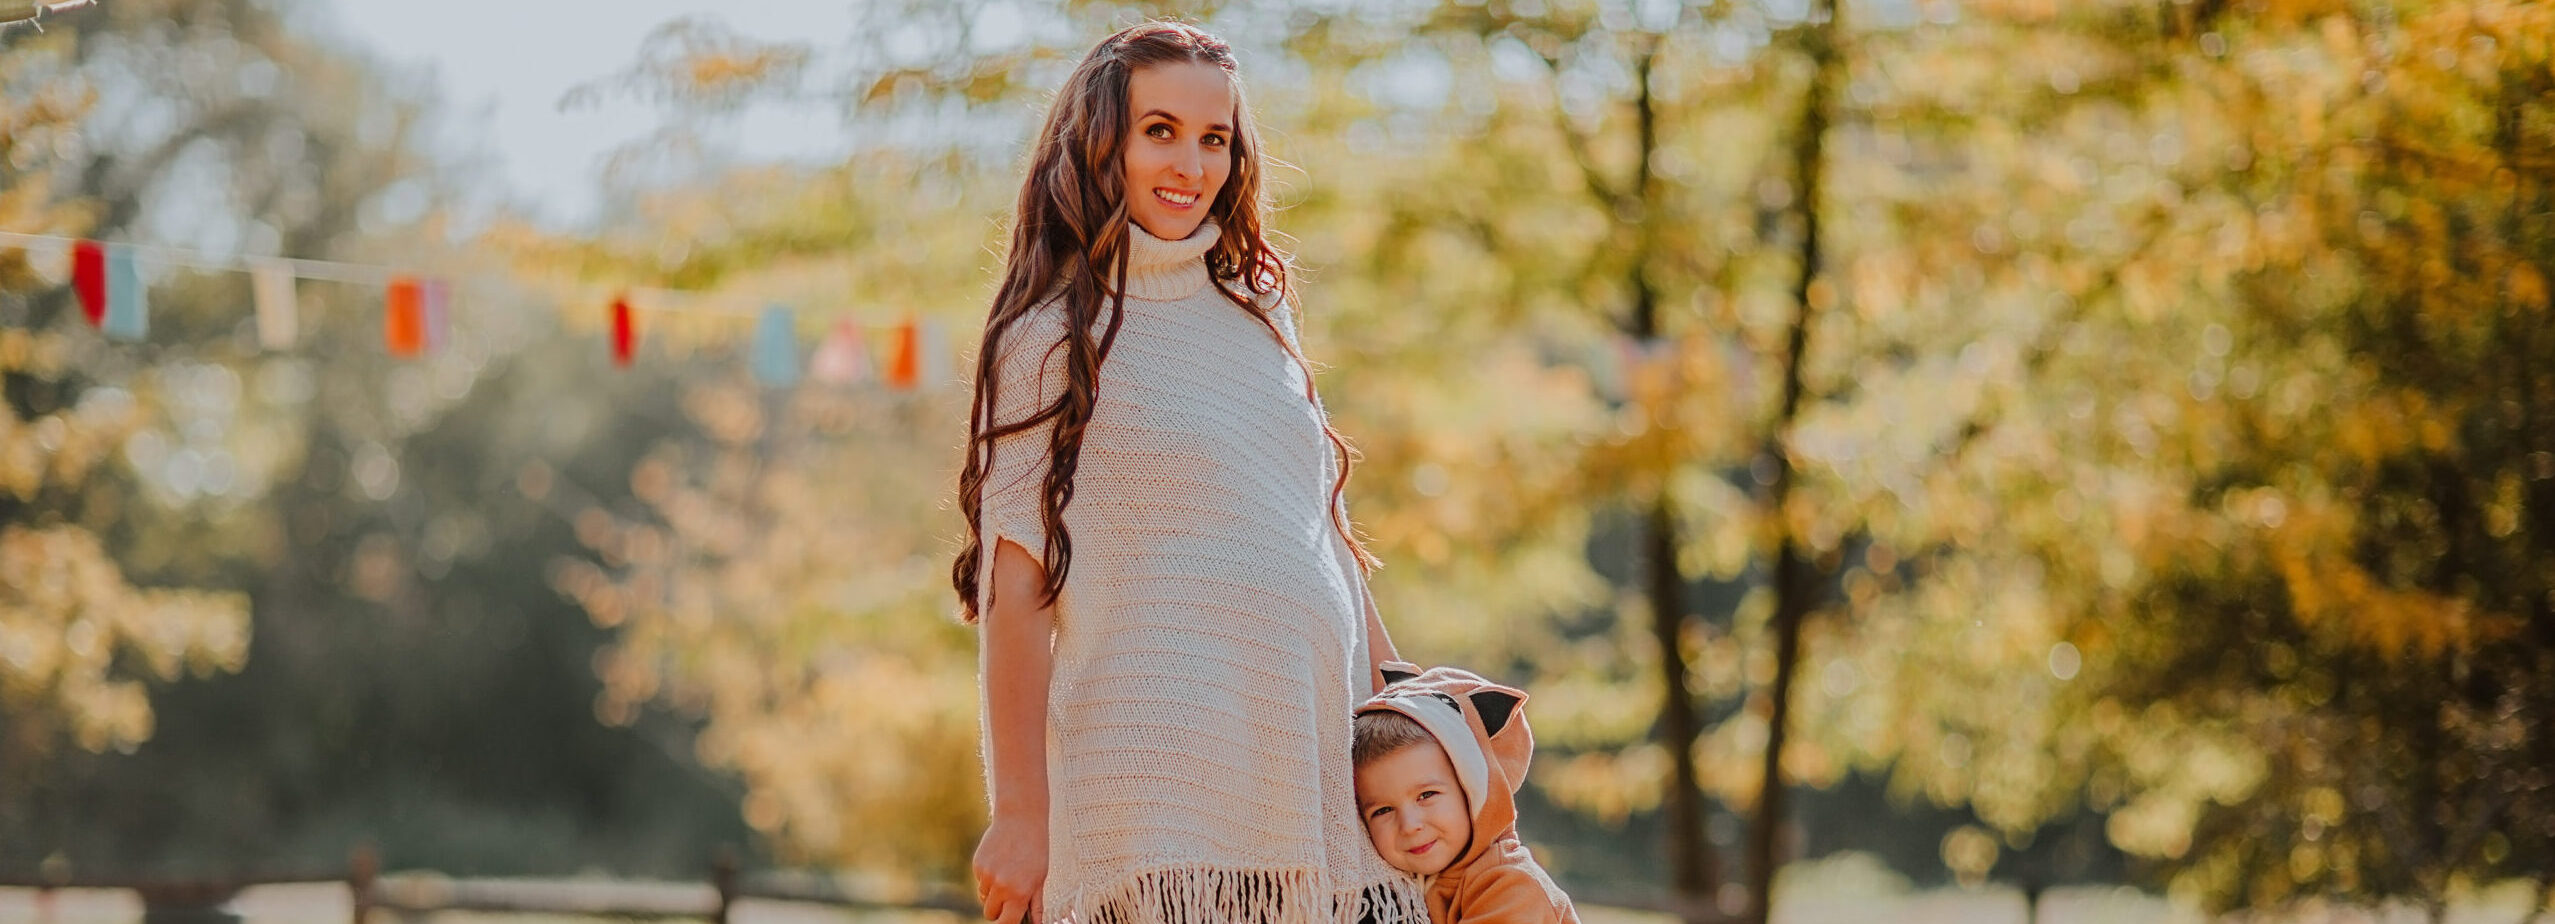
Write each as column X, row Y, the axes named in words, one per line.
column 80, row 640
column 2255, row 579
column 389, row 665
column 1914, row 377
column 782, row 571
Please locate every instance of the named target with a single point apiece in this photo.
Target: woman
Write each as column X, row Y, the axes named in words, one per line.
column 1173, row 607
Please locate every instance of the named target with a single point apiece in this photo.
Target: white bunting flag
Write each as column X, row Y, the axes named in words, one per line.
column 278, row 314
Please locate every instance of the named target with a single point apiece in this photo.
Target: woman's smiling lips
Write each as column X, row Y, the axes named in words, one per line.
column 1175, row 199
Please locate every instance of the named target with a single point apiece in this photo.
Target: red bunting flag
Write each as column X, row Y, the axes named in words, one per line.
column 625, row 331
column 905, row 368
column 88, row 278
column 403, row 328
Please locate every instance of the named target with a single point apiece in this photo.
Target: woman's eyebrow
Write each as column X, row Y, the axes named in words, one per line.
column 1175, row 120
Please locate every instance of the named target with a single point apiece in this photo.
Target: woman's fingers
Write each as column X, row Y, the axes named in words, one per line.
column 1008, row 912
column 1011, row 872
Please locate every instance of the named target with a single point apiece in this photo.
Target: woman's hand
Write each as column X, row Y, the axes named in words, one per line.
column 1011, row 869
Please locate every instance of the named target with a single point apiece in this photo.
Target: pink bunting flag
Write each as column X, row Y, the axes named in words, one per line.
column 843, row 359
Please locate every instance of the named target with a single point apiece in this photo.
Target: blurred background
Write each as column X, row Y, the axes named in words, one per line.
column 1976, row 459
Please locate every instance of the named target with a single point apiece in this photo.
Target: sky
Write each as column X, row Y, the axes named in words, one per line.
column 502, row 67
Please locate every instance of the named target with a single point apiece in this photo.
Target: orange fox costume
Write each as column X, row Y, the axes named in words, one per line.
column 1482, row 726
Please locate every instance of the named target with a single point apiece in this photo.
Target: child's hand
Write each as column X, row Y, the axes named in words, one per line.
column 1011, row 869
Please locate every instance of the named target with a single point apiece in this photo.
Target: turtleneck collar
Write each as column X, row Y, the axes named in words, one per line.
column 1162, row 271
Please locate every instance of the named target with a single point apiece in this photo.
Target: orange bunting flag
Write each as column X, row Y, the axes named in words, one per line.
column 906, row 368
column 625, row 331
column 88, row 278
column 843, row 358
column 403, row 328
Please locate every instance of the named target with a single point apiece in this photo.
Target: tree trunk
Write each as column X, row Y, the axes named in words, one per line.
column 1794, row 584
column 1689, row 850
column 1690, row 861
column 1791, row 605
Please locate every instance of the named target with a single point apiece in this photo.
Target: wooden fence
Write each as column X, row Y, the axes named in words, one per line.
column 412, row 897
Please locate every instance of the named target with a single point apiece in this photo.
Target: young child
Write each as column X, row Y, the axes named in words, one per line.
column 1439, row 756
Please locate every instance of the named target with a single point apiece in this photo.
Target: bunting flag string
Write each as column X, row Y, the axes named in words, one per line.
column 108, row 280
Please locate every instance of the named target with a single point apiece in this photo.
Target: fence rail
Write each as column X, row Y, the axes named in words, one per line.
column 408, row 896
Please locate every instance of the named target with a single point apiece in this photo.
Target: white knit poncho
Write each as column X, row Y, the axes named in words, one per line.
column 1210, row 640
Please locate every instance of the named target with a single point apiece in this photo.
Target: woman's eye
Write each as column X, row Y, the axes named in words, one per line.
column 1215, row 141
column 1159, row 131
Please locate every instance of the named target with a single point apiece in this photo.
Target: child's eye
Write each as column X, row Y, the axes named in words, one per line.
column 1380, row 811
column 1427, row 795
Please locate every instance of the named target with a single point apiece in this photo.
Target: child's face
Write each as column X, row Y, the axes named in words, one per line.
column 1180, row 150
column 1414, row 810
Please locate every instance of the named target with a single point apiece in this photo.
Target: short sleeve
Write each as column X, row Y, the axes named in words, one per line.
column 1282, row 315
column 1029, row 374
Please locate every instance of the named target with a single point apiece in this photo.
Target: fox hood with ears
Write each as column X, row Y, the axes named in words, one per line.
column 1482, row 726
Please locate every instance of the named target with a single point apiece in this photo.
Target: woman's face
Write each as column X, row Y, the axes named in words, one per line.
column 1180, row 151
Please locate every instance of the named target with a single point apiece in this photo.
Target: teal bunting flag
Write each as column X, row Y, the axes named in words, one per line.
column 776, row 347
column 127, row 310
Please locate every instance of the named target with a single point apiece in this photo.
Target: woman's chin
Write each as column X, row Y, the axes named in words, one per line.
column 1169, row 227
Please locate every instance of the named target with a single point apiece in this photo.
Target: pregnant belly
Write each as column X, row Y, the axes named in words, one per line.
column 1168, row 727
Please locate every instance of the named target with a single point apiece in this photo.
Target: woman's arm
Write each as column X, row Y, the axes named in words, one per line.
column 1018, row 657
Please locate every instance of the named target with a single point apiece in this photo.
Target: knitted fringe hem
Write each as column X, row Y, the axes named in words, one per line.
column 1202, row 895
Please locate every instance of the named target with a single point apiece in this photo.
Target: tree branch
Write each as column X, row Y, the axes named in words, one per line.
column 1577, row 142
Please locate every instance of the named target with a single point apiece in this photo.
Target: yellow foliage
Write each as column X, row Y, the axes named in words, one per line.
column 68, row 620
column 2328, row 589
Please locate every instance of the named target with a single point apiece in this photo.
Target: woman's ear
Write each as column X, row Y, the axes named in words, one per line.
column 1495, row 707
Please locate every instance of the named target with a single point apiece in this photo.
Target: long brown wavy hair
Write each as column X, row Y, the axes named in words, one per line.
column 1072, row 221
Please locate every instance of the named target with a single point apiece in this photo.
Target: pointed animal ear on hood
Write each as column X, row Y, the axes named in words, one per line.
column 1495, row 706
column 1398, row 671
